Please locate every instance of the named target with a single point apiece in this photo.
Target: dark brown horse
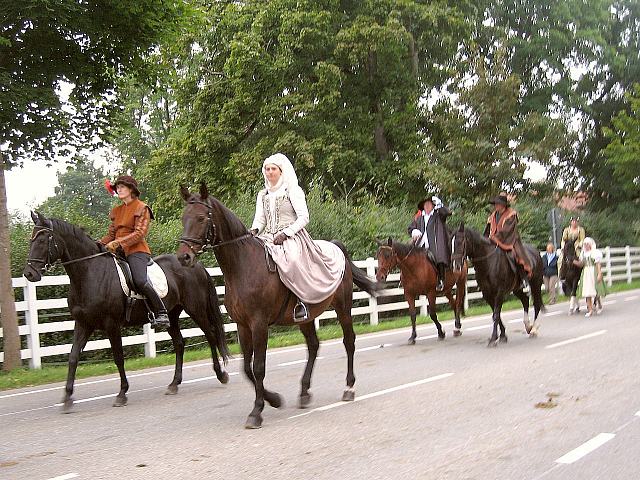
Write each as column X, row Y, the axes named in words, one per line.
column 419, row 277
column 256, row 298
column 497, row 278
column 96, row 300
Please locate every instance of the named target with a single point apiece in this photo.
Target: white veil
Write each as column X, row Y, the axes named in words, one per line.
column 288, row 178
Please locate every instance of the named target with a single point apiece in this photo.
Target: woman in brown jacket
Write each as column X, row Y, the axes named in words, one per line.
column 129, row 227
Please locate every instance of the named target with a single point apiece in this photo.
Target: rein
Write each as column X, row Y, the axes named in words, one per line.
column 48, row 263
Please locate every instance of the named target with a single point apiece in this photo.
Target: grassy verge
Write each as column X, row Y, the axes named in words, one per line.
column 25, row 377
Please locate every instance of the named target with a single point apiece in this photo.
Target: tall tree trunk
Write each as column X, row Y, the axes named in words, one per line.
column 8, row 315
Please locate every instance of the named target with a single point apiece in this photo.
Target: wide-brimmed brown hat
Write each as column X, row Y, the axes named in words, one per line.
column 128, row 181
column 500, row 200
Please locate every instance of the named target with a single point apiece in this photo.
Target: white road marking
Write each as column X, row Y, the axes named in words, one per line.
column 374, row 347
column 296, row 362
column 638, row 413
column 65, row 477
column 586, row 448
column 375, row 394
column 610, row 302
column 479, row 327
column 628, row 299
column 576, row 339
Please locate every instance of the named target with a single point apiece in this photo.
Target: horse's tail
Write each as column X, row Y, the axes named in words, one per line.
column 359, row 277
column 216, row 320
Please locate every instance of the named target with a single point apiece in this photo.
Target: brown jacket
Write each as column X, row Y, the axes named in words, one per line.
column 129, row 226
column 504, row 232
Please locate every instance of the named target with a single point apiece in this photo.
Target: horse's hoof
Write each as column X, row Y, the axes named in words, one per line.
column 274, row 399
column 171, row 390
column 349, row 395
column 533, row 334
column 457, row 333
column 67, row 406
column 441, row 336
column 304, row 400
column 120, row 401
column 492, row 343
column 412, row 341
column 503, row 339
column 253, row 423
column 223, row 377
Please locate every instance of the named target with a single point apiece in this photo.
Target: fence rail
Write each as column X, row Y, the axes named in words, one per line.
column 619, row 264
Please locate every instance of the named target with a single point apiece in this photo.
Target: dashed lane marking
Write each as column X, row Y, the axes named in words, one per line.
column 576, row 339
column 586, row 448
column 375, row 394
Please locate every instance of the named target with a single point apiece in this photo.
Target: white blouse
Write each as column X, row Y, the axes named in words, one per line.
column 298, row 202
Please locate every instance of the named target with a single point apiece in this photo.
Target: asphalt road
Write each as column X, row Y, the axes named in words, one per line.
column 565, row 405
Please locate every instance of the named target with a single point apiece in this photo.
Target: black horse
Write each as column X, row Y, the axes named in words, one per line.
column 96, row 300
column 571, row 273
column 496, row 277
column 255, row 296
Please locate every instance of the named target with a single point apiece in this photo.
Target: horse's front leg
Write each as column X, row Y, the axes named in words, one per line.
column 496, row 307
column 313, row 344
column 434, row 315
column 178, row 346
column 259, row 337
column 81, row 334
column 524, row 299
column 453, row 303
column 115, row 338
column 411, row 300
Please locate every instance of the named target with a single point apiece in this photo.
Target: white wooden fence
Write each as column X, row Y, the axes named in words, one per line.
column 620, row 264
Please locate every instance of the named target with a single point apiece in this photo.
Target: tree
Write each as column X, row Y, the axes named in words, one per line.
column 623, row 151
column 87, row 44
column 334, row 85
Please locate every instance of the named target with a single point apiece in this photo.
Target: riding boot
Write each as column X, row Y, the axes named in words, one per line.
column 440, row 285
column 161, row 319
column 300, row 312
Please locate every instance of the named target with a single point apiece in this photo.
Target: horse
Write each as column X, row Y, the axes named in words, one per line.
column 571, row 273
column 419, row 277
column 256, row 298
column 96, row 300
column 496, row 277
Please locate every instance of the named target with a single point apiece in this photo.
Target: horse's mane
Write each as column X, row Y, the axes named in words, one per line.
column 477, row 236
column 67, row 228
column 236, row 227
column 407, row 249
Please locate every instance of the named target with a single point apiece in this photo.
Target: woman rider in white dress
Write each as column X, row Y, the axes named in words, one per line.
column 311, row 270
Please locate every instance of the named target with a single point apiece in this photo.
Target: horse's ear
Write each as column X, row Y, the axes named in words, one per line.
column 390, row 242
column 34, row 217
column 204, row 193
column 461, row 227
column 42, row 220
column 184, row 191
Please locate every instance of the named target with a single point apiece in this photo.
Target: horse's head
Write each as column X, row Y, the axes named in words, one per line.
column 387, row 259
column 198, row 229
column 569, row 250
column 44, row 248
column 458, row 248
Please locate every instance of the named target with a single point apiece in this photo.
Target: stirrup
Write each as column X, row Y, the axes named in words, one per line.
column 300, row 312
column 159, row 320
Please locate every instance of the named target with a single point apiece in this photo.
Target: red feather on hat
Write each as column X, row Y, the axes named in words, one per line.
column 109, row 187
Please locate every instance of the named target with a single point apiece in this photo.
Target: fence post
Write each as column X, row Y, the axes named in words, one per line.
column 373, row 301
column 150, row 345
column 31, row 319
column 607, row 256
column 627, row 256
column 424, row 306
column 466, row 295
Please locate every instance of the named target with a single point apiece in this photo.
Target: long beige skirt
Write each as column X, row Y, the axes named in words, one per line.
column 312, row 270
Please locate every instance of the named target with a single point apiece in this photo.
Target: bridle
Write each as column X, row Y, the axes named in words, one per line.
column 51, row 260
column 458, row 257
column 210, row 236
column 393, row 252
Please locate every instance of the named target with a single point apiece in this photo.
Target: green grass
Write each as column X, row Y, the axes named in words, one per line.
column 25, row 377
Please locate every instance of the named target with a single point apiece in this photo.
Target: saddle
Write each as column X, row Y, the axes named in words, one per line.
column 156, row 276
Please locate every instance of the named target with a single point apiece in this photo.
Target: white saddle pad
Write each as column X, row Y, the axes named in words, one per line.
column 156, row 276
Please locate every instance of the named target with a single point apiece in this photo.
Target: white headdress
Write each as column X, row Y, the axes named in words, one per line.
column 288, row 177
column 593, row 251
